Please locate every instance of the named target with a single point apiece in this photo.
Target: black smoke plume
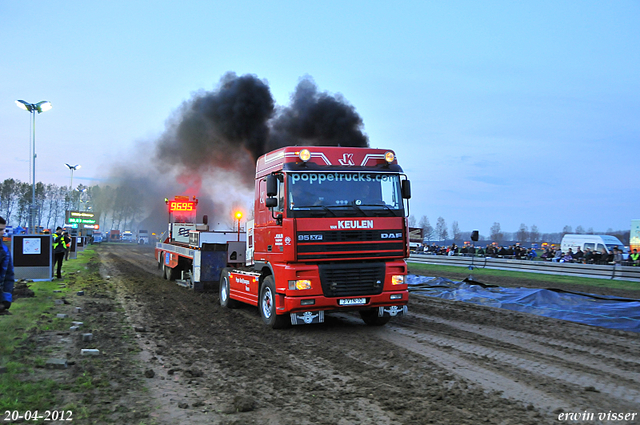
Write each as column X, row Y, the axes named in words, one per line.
column 317, row 119
column 219, row 129
column 212, row 141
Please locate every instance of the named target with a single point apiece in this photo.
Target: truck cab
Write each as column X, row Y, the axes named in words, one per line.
column 330, row 234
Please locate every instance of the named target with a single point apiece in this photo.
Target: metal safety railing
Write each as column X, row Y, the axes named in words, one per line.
column 600, row 271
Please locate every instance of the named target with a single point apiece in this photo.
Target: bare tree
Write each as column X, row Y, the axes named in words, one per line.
column 534, row 234
column 103, row 201
column 51, row 199
column 427, row 229
column 441, row 229
column 412, row 221
column 40, row 198
column 566, row 229
column 580, row 230
column 496, row 235
column 59, row 206
column 8, row 197
column 522, row 235
column 24, row 200
column 455, row 231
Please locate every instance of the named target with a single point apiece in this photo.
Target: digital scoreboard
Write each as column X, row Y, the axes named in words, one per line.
column 182, row 206
column 182, row 209
column 82, row 219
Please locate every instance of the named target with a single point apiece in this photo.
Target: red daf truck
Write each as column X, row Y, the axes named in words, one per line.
column 329, row 234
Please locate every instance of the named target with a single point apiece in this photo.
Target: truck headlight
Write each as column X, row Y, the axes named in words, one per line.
column 300, row 284
column 397, row 279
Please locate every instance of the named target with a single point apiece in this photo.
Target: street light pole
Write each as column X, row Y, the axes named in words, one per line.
column 39, row 107
column 72, row 168
column 238, row 217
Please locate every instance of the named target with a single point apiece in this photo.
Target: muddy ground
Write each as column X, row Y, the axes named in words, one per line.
column 172, row 356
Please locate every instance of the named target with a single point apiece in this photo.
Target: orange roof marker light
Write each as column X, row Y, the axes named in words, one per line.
column 304, row 155
column 389, row 157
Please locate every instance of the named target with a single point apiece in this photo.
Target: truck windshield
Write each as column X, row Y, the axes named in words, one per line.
column 344, row 194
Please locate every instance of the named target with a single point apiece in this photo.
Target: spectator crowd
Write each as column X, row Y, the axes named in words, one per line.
column 548, row 253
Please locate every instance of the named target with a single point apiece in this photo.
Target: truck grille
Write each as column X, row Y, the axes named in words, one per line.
column 351, row 279
column 350, row 244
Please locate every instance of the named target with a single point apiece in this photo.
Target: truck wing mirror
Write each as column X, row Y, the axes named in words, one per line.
column 271, row 202
column 272, row 185
column 406, row 189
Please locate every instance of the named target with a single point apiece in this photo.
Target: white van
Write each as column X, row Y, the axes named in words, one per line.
column 594, row 242
column 127, row 236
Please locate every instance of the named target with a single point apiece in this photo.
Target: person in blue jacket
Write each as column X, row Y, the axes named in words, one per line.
column 7, row 279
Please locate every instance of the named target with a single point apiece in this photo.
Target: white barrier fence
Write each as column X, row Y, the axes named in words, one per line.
column 607, row 271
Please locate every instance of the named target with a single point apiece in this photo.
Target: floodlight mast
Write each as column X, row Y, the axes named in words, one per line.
column 32, row 108
column 72, row 168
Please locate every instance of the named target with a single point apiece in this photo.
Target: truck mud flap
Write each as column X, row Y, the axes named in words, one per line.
column 393, row 311
column 307, row 318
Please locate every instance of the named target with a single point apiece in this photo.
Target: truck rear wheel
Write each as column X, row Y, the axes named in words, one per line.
column 225, row 291
column 267, row 305
column 371, row 318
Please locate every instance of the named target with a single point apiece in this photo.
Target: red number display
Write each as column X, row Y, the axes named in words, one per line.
column 181, row 206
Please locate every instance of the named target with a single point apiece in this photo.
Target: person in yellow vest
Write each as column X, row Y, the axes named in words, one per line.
column 635, row 258
column 67, row 241
column 59, row 249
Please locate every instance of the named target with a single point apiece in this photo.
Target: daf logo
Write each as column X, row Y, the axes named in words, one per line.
column 391, row 235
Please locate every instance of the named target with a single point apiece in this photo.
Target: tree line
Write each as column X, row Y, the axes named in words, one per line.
column 524, row 234
column 117, row 207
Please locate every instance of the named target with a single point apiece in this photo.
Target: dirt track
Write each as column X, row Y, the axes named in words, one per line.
column 445, row 363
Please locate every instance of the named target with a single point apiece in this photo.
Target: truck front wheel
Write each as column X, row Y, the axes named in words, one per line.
column 267, row 305
column 371, row 318
column 225, row 291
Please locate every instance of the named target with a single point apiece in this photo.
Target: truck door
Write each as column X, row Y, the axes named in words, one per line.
column 268, row 233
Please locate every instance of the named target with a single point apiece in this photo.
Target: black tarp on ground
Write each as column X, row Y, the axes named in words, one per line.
column 595, row 310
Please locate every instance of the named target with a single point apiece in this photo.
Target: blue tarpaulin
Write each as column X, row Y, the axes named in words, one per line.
column 589, row 309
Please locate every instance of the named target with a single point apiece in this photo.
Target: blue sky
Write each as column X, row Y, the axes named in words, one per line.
column 508, row 112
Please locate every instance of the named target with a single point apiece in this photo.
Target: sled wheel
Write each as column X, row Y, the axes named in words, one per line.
column 169, row 273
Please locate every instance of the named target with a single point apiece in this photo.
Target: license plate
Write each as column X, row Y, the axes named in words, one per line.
column 352, row 301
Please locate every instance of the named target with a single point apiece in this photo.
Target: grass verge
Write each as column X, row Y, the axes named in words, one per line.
column 546, row 280
column 21, row 388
